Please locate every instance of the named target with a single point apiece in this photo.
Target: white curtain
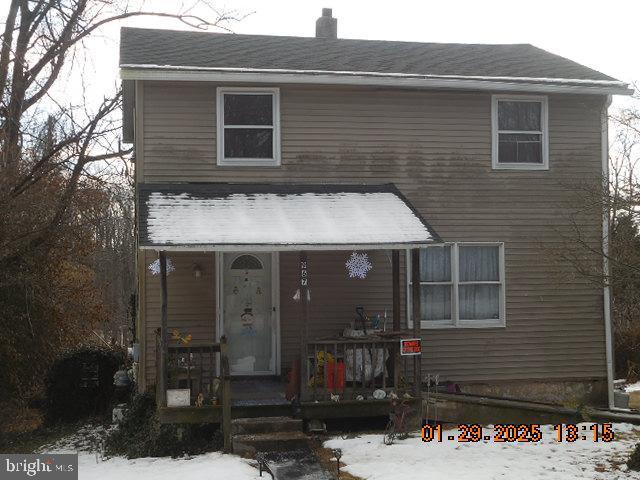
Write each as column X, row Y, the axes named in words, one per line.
column 479, row 264
column 435, row 266
column 436, row 302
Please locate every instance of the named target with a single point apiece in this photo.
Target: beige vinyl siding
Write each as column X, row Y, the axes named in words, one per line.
column 191, row 303
column 436, row 147
column 334, row 296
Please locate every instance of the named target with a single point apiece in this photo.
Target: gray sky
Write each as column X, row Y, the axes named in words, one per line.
column 601, row 35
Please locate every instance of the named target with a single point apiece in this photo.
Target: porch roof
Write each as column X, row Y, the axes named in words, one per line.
column 224, row 216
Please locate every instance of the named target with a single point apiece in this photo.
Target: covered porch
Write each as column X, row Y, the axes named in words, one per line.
column 286, row 340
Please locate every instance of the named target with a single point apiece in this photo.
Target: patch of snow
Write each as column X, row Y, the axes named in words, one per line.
column 347, row 218
column 208, row 466
column 632, row 387
column 367, row 457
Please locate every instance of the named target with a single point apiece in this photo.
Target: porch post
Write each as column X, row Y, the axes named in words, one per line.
column 395, row 272
column 415, row 303
column 304, row 328
column 162, row 384
column 226, row 394
column 396, row 361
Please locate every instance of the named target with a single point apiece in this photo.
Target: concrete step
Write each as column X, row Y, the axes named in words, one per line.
column 299, row 464
column 249, row 445
column 250, row 426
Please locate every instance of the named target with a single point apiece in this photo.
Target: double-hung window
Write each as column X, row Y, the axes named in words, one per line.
column 520, row 132
column 461, row 285
column 248, row 126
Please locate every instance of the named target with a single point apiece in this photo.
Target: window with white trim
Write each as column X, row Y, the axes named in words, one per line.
column 520, row 132
column 248, row 132
column 462, row 285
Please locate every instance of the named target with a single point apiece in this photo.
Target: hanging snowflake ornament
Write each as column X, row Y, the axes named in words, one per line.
column 358, row 265
column 154, row 267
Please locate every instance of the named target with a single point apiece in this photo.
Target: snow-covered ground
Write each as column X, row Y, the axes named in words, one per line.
column 91, row 467
column 367, row 457
column 208, row 466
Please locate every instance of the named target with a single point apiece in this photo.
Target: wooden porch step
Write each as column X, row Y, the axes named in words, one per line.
column 266, row 434
column 249, row 445
column 258, row 425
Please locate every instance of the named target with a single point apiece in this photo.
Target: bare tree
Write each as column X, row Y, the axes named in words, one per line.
column 614, row 197
column 66, row 231
column 40, row 38
column 617, row 198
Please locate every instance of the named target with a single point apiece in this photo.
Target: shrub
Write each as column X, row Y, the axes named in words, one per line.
column 140, row 434
column 634, row 460
column 80, row 384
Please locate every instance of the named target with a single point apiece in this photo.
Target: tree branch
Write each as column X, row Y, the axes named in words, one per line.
column 7, row 41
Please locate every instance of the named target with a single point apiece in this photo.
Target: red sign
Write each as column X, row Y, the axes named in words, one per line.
column 410, row 346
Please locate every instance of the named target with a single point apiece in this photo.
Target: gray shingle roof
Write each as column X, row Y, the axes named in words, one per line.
column 217, row 50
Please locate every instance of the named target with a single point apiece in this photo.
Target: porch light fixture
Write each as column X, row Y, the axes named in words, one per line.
column 197, row 270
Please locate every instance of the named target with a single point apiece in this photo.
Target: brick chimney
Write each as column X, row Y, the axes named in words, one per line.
column 326, row 25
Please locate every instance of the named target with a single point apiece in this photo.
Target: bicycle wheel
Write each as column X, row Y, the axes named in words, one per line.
column 389, row 433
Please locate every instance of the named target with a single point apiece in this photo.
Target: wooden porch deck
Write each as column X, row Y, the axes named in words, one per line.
column 265, row 397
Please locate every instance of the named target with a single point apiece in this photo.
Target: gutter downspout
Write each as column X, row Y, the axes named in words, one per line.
column 608, row 330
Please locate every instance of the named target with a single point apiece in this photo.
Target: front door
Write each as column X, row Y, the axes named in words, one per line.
column 247, row 313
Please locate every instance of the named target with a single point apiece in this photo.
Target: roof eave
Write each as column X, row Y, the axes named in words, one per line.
column 515, row 84
column 286, row 247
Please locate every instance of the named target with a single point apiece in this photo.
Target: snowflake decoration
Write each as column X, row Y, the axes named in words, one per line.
column 154, row 267
column 358, row 265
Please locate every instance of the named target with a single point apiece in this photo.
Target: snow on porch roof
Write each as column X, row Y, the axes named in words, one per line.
column 223, row 216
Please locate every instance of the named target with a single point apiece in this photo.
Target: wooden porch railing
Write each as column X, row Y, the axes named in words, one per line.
column 353, row 367
column 194, row 367
column 369, row 363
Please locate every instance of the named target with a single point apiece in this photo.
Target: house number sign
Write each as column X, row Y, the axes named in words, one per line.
column 304, row 279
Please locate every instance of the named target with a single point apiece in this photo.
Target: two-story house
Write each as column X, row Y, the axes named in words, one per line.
column 284, row 182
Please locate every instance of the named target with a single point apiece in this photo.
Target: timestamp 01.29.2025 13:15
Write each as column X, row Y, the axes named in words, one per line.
column 518, row 433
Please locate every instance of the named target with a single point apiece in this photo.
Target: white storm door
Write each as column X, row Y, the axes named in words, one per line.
column 247, row 313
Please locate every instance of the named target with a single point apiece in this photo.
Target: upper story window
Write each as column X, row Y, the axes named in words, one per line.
column 462, row 285
column 248, row 126
column 520, row 136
